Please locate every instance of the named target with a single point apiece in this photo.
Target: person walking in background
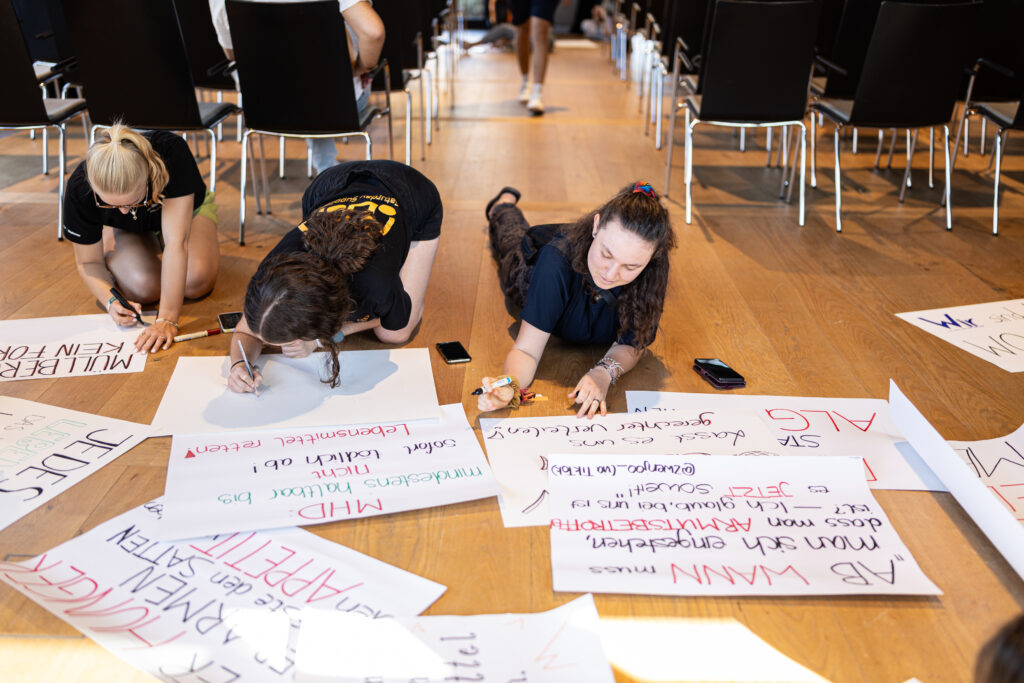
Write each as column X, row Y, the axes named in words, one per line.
column 532, row 19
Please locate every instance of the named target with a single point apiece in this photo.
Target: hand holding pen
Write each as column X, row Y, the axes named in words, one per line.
column 124, row 312
column 495, row 393
column 244, row 377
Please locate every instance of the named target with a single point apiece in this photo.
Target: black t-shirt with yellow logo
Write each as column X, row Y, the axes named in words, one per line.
column 408, row 207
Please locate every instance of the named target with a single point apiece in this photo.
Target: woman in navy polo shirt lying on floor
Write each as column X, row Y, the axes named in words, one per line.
column 600, row 280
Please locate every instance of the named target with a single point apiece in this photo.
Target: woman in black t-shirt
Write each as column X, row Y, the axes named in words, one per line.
column 600, row 280
column 140, row 218
column 360, row 260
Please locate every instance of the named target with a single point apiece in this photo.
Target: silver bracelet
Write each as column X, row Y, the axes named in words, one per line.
column 613, row 367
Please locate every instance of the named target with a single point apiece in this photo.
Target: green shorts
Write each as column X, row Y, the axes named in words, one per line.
column 208, row 208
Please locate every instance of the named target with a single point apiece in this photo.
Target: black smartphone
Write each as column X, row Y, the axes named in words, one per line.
column 229, row 321
column 718, row 374
column 453, row 352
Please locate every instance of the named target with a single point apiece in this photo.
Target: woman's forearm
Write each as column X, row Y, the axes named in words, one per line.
column 520, row 365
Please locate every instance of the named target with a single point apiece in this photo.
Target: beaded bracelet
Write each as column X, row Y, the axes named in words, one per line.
column 110, row 303
column 613, row 367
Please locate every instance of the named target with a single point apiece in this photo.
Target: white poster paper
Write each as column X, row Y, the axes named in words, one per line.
column 517, row 448
column 218, row 483
column 392, row 384
column 213, row 609
column 990, row 514
column 69, row 346
column 999, row 464
column 45, row 450
column 993, row 331
column 707, row 525
column 818, row 426
column 548, row 647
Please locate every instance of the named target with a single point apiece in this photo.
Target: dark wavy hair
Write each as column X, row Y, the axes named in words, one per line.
column 1001, row 659
column 305, row 295
column 641, row 301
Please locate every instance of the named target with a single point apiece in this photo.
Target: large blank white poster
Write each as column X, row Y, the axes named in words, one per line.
column 992, row 331
column 70, row 346
column 376, row 386
column 708, row 525
column 218, row 483
column 805, row 425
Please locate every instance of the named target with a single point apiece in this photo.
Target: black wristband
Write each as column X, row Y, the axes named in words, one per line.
column 237, row 362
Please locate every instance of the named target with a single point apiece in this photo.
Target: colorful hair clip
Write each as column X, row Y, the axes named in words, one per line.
column 646, row 188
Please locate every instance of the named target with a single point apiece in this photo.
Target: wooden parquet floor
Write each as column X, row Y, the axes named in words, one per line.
column 798, row 310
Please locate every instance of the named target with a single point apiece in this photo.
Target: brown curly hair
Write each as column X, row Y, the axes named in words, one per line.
column 305, row 295
column 641, row 301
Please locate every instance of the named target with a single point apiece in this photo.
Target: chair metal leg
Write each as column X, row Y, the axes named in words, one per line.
column 803, row 168
column 785, row 162
column 220, row 126
column 892, row 148
column 263, row 173
column 981, row 138
column 671, row 136
column 309, row 161
column 911, row 143
column 423, row 121
column 213, row 159
column 688, row 164
column 743, row 139
column 964, row 113
column 46, row 153
column 408, row 127
column 768, row 146
column 931, row 158
column 241, row 193
column 387, row 108
column 910, row 152
column 369, row 145
column 280, row 157
column 854, row 145
column 945, row 150
column 878, row 151
column 967, row 137
column 814, row 151
column 792, row 166
column 839, row 187
column 659, row 111
column 999, row 142
column 62, row 161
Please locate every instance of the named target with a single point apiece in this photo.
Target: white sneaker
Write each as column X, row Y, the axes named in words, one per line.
column 535, row 105
column 524, row 93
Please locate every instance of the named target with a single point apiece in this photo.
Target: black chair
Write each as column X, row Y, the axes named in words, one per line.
column 755, row 74
column 910, row 79
column 684, row 35
column 998, row 58
column 21, row 107
column 277, row 47
column 134, row 68
column 403, row 50
column 210, row 66
column 1006, row 116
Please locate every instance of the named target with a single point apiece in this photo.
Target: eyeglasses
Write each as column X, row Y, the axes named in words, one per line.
column 132, row 208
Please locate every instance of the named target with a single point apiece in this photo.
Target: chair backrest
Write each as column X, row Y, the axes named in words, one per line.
column 997, row 38
column 401, row 21
column 293, row 66
column 685, row 19
column 757, row 64
column 852, row 35
column 21, row 103
column 913, row 65
column 133, row 63
column 828, row 26
column 201, row 44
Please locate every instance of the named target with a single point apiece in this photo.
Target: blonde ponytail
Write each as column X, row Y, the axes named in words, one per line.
column 121, row 159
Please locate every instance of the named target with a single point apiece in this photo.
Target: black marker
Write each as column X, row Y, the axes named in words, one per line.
column 124, row 302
